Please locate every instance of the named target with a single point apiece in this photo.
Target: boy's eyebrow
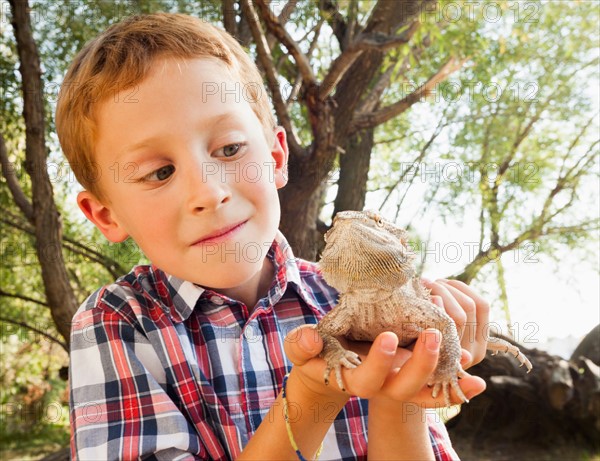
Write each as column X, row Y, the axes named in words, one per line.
column 209, row 123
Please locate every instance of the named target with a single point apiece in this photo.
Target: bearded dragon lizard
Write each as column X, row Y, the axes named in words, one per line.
column 368, row 260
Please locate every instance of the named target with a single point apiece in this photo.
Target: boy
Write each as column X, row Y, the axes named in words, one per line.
column 168, row 128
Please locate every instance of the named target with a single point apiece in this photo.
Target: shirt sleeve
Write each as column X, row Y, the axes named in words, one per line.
column 118, row 408
column 440, row 439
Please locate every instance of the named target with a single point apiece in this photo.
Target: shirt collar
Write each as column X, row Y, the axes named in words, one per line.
column 184, row 295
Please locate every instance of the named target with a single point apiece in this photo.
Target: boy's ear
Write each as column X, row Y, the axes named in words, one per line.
column 280, row 153
column 101, row 216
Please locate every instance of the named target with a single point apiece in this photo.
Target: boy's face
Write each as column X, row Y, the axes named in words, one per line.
column 188, row 173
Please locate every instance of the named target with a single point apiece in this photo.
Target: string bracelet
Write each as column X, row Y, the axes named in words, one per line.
column 289, row 427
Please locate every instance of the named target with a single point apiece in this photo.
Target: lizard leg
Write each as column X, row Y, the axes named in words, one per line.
column 444, row 383
column 336, row 356
column 499, row 345
column 337, row 323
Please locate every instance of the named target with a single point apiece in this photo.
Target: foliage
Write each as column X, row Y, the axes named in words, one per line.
column 497, row 137
column 34, row 400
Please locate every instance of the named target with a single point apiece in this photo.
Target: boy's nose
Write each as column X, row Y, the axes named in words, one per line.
column 207, row 188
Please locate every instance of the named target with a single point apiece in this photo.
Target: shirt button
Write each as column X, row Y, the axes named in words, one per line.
column 217, row 300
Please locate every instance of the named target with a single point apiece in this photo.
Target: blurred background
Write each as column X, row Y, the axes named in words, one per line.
column 472, row 124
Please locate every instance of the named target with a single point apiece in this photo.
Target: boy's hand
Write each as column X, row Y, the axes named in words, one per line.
column 394, row 373
column 387, row 372
column 470, row 312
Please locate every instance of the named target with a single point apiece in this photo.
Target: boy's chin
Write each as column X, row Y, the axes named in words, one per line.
column 226, row 277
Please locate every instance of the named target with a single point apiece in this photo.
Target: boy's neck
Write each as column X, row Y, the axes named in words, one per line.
column 254, row 289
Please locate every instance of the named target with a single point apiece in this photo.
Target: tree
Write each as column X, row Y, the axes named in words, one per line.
column 41, row 211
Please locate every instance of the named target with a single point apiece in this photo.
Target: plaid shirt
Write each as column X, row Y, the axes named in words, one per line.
column 164, row 369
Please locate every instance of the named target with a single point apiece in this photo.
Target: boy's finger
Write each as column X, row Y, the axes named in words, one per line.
column 368, row 378
column 468, row 339
column 437, row 300
column 465, row 358
column 302, row 344
column 416, row 371
column 482, row 317
column 451, row 305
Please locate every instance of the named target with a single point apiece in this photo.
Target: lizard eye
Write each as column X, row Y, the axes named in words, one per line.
column 379, row 221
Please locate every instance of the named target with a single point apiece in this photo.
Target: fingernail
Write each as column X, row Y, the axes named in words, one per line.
column 389, row 344
column 432, row 340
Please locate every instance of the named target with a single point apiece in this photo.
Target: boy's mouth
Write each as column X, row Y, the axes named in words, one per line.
column 220, row 235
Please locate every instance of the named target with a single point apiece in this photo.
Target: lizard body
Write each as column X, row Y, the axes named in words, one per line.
column 367, row 259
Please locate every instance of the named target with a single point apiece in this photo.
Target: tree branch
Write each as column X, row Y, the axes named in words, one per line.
column 386, row 17
column 286, row 12
column 384, row 42
column 384, row 114
column 371, row 101
column 112, row 266
column 536, row 229
column 277, row 29
column 534, row 233
column 266, row 59
column 364, row 41
column 313, row 44
column 24, row 298
column 13, row 184
column 36, row 330
column 335, row 19
column 576, row 141
column 228, row 10
column 562, row 181
column 440, row 126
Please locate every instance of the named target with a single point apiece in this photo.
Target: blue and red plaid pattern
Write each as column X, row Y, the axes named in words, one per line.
column 164, row 369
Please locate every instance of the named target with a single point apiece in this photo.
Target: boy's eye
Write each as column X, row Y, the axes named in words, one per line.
column 231, row 149
column 161, row 174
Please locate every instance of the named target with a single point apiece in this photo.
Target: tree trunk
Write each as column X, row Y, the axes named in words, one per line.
column 354, row 172
column 46, row 218
column 300, row 205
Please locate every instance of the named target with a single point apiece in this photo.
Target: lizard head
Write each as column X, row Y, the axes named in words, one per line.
column 364, row 250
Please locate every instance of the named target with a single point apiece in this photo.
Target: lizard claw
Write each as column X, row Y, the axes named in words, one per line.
column 446, row 380
column 342, row 357
column 444, row 386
